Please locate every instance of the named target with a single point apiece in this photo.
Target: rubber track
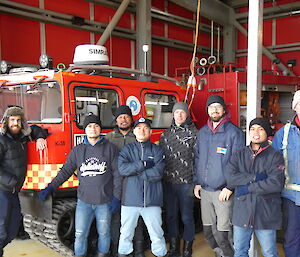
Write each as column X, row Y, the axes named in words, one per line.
column 45, row 231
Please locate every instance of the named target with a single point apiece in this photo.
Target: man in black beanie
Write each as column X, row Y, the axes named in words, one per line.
column 257, row 174
column 215, row 143
column 120, row 136
column 99, row 190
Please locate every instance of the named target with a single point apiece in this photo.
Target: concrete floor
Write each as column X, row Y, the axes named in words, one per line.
column 31, row 248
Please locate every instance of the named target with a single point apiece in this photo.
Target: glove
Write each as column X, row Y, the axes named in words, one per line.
column 241, row 190
column 260, row 176
column 148, row 164
column 114, row 205
column 43, row 194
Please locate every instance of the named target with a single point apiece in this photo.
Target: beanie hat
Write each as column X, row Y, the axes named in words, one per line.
column 263, row 122
column 91, row 118
column 123, row 109
column 181, row 106
column 296, row 99
column 14, row 111
column 215, row 99
column 142, row 120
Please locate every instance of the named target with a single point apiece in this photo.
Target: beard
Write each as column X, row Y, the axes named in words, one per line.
column 217, row 118
column 15, row 130
column 125, row 128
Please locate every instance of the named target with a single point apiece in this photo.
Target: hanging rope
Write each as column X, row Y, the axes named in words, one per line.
column 192, row 79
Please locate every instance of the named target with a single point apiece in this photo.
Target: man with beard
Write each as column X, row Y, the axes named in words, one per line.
column 216, row 142
column 14, row 135
column 120, row 136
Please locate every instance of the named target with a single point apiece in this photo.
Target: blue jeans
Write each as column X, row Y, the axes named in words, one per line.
column 153, row 222
column 10, row 217
column 177, row 198
column 291, row 225
column 266, row 238
column 84, row 216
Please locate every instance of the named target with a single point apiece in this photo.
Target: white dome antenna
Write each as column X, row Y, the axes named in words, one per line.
column 90, row 55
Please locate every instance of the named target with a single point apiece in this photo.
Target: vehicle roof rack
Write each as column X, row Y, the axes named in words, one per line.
column 115, row 69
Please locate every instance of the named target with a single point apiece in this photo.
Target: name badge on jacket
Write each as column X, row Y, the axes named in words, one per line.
column 221, row 150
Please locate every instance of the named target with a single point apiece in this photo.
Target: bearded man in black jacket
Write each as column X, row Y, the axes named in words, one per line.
column 14, row 135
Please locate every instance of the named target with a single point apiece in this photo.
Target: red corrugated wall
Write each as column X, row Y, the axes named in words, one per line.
column 286, row 32
column 20, row 37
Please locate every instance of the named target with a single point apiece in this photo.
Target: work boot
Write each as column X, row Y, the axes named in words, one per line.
column 174, row 250
column 138, row 248
column 224, row 243
column 102, row 254
column 23, row 235
column 218, row 252
column 187, row 249
column 114, row 249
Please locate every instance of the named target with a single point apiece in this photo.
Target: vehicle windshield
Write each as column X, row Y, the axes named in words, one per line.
column 41, row 101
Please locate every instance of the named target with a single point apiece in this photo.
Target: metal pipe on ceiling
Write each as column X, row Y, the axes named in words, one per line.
column 33, row 13
column 265, row 51
column 112, row 24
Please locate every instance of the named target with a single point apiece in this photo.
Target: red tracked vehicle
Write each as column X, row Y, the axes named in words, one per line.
column 58, row 101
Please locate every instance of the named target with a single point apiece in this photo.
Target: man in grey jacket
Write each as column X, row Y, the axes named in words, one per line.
column 120, row 136
column 215, row 143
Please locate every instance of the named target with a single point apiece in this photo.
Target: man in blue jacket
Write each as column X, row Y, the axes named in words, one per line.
column 142, row 165
column 215, row 143
column 99, row 187
column 257, row 174
column 287, row 140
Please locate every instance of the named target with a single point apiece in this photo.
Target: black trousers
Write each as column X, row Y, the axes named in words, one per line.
column 10, row 217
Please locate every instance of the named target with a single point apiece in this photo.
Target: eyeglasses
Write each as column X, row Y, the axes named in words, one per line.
column 218, row 107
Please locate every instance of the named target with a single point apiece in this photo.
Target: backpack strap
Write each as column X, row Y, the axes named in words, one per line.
column 284, row 150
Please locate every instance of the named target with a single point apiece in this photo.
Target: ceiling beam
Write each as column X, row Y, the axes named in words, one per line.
column 210, row 9
column 269, row 12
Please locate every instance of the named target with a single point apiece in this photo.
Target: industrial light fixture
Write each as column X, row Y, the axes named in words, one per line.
column 291, row 63
column 276, row 61
column 4, row 67
column 46, row 61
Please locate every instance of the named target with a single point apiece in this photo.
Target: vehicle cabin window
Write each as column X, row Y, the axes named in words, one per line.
column 102, row 102
column 159, row 109
column 41, row 102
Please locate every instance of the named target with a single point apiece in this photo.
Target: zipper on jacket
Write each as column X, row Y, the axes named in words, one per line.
column 142, row 157
column 253, row 156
